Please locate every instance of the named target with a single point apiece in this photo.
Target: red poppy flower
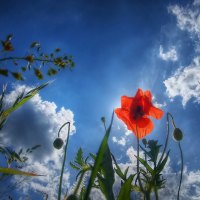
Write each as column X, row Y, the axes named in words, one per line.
column 135, row 112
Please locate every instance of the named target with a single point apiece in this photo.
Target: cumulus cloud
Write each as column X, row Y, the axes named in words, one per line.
column 158, row 105
column 170, row 55
column 188, row 18
column 121, row 141
column 185, row 82
column 37, row 122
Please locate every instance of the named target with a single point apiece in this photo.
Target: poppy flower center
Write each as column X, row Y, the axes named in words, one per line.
column 138, row 112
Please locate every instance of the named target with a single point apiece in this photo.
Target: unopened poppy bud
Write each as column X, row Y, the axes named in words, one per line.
column 144, row 141
column 103, row 119
column 178, row 135
column 58, row 143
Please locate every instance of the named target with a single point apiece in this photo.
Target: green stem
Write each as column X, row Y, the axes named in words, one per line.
column 179, row 144
column 167, row 138
column 64, row 159
column 138, row 163
column 156, row 193
column 79, row 183
column 24, row 58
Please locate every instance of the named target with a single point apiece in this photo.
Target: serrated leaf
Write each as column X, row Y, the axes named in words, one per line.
column 20, row 151
column 36, row 146
column 93, row 156
column 74, row 166
column 79, row 157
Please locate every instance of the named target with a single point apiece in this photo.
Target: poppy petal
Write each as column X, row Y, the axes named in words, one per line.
column 147, row 93
column 124, row 116
column 126, row 102
column 145, row 126
column 155, row 112
column 139, row 93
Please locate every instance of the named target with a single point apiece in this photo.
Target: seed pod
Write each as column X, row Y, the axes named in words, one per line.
column 58, row 143
column 178, row 135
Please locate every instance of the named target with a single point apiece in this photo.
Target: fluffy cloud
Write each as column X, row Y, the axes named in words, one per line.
column 121, row 141
column 188, row 18
column 37, row 122
column 170, row 55
column 185, row 82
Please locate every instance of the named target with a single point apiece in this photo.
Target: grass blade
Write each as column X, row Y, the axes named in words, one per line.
column 11, row 171
column 98, row 160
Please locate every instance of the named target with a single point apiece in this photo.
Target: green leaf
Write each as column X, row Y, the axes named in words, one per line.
column 74, row 166
column 38, row 73
column 16, row 172
column 118, row 170
column 162, row 164
column 17, row 76
column 27, row 97
column 146, row 165
column 9, row 37
column 93, row 156
column 36, row 146
column 79, row 157
column 125, row 191
column 34, row 44
column 106, row 179
column 52, row 72
column 4, row 72
column 98, row 160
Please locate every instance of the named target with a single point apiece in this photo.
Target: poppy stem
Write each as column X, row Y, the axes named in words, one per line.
column 179, row 144
column 167, row 138
column 64, row 159
column 138, row 164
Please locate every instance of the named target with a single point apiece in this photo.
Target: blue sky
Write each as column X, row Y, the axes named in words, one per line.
column 118, row 46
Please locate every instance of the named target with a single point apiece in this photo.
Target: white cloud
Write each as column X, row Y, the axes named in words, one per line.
column 188, row 18
column 196, row 2
column 121, row 141
column 37, row 122
column 185, row 82
column 158, row 105
column 170, row 55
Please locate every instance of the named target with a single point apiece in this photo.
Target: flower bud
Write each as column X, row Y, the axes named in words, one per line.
column 103, row 119
column 144, row 141
column 178, row 135
column 58, row 143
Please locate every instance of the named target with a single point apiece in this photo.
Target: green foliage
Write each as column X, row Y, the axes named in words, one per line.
column 105, row 177
column 126, row 188
column 36, row 60
column 10, row 171
column 20, row 100
column 98, row 160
